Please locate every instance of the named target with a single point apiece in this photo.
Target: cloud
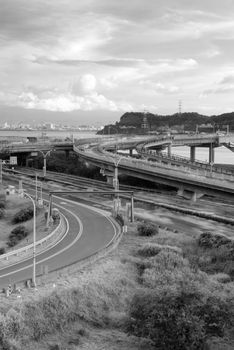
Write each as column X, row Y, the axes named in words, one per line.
column 228, row 79
column 159, row 88
column 224, row 86
column 85, row 85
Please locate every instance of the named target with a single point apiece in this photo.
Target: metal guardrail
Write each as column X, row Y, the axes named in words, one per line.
column 186, row 161
column 52, row 237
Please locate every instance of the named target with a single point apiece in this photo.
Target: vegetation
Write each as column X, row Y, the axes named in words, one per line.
column 131, row 122
column 147, row 229
column 154, row 292
column 2, row 213
column 16, row 235
column 2, row 250
column 23, row 215
column 72, row 164
column 213, row 253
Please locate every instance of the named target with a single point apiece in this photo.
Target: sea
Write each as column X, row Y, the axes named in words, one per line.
column 222, row 154
column 60, row 134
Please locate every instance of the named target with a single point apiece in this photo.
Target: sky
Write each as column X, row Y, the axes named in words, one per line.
column 93, row 60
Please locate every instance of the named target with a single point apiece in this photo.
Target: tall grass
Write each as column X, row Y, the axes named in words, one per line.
column 94, row 299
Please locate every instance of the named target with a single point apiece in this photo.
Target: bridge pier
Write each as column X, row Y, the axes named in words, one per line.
column 130, row 152
column 192, row 153
column 180, row 191
column 169, row 150
column 211, row 154
column 109, row 179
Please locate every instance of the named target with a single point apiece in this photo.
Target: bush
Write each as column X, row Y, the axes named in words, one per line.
column 119, row 219
column 2, row 199
column 2, row 213
column 181, row 321
column 17, row 234
column 23, row 215
column 210, row 240
column 2, row 250
column 147, row 229
column 149, row 249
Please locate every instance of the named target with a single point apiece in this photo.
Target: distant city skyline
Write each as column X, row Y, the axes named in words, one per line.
column 90, row 61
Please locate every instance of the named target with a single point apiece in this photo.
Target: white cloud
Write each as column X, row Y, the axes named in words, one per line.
column 158, row 87
column 84, row 85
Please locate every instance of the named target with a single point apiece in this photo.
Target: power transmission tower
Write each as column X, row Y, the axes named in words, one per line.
column 180, row 107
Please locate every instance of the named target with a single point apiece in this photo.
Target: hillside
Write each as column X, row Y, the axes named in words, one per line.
column 137, row 122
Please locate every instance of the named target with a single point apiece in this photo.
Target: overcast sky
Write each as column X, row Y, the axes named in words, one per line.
column 117, row 55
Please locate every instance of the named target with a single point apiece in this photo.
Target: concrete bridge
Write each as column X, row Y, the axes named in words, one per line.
column 195, row 177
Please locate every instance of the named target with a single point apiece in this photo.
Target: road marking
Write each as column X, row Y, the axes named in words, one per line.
column 51, row 256
column 99, row 211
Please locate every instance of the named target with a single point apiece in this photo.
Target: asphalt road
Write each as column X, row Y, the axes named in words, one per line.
column 89, row 231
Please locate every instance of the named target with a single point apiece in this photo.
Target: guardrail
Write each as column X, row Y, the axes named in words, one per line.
column 75, row 266
column 41, row 244
column 186, row 161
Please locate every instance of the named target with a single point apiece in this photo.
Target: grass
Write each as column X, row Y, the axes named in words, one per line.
column 89, row 309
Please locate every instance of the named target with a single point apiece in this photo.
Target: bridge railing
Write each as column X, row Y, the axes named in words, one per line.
column 185, row 160
column 41, row 244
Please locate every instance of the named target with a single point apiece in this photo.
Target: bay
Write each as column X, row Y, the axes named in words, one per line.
column 222, row 154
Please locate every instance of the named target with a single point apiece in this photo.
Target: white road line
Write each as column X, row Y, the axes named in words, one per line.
column 51, row 256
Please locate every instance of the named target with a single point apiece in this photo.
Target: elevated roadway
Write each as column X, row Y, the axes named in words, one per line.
column 183, row 177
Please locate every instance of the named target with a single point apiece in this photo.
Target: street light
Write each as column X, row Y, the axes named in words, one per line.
column 38, row 183
column 116, row 179
column 34, row 238
column 44, row 157
column 116, row 183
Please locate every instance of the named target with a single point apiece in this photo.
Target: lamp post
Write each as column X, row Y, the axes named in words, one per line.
column 34, row 238
column 116, row 183
column 38, row 199
column 116, row 179
column 44, row 158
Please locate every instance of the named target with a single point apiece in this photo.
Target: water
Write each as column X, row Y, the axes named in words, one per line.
column 222, row 154
column 61, row 134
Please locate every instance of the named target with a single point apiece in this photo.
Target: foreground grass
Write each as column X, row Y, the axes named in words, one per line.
column 91, row 309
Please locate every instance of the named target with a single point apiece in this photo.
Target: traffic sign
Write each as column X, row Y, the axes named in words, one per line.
column 13, row 160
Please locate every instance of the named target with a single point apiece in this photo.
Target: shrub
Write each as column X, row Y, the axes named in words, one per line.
column 149, row 249
column 147, row 229
column 23, row 215
column 210, row 240
column 181, row 321
column 119, row 219
column 2, row 199
column 2, row 250
column 17, row 234
column 2, row 213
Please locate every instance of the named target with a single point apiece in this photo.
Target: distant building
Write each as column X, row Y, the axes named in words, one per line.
column 145, row 124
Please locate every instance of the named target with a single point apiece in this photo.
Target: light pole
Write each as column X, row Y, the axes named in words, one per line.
column 116, row 184
column 0, row 171
column 44, row 158
column 116, row 179
column 34, row 238
column 38, row 199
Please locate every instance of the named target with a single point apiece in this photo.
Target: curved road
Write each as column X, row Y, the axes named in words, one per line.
column 89, row 231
